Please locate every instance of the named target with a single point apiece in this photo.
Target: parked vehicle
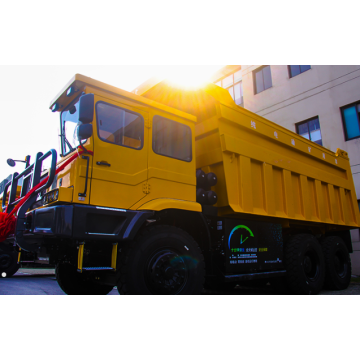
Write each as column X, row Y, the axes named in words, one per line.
column 170, row 190
column 11, row 256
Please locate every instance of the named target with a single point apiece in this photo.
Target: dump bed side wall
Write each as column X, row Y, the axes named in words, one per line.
column 266, row 170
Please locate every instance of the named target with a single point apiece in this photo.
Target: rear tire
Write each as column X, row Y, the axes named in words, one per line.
column 162, row 260
column 73, row 283
column 8, row 263
column 337, row 263
column 305, row 266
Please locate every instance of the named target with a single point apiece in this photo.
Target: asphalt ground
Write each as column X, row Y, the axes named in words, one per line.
column 43, row 282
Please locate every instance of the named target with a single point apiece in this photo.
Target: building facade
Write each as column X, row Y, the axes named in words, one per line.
column 319, row 102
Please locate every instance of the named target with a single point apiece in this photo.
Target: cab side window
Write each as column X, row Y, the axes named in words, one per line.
column 119, row 126
column 171, row 139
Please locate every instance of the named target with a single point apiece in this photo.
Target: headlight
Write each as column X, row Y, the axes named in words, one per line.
column 70, row 91
column 55, row 108
column 51, row 196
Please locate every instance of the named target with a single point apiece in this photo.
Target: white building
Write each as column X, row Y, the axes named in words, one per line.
column 319, row 102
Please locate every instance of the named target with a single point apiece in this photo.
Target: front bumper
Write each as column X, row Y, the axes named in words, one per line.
column 82, row 222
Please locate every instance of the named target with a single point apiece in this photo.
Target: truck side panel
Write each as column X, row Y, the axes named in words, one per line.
column 264, row 169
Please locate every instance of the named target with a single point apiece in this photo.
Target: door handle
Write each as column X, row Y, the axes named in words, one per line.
column 102, row 163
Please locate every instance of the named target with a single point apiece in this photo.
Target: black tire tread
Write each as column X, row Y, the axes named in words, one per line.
column 332, row 283
column 80, row 287
column 293, row 272
column 124, row 258
column 14, row 267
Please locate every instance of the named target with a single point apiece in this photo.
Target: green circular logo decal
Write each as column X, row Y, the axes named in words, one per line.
column 242, row 239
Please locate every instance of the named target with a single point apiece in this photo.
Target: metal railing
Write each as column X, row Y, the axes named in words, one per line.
column 31, row 177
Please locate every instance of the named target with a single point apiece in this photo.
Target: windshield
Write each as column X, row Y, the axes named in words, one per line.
column 69, row 122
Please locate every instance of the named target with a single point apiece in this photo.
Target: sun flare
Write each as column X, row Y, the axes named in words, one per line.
column 189, row 76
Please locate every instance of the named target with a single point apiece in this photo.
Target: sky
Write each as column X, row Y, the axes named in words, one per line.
column 28, row 125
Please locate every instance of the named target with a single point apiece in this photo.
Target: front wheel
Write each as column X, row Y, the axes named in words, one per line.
column 163, row 260
column 73, row 283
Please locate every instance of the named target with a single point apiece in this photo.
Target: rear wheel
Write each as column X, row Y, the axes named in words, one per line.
column 337, row 263
column 73, row 283
column 8, row 263
column 305, row 269
column 163, row 260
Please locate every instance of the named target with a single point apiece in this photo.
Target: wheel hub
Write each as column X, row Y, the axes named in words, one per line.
column 166, row 273
column 311, row 265
column 169, row 273
column 307, row 265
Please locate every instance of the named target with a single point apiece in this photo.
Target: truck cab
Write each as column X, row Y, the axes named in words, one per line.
column 143, row 151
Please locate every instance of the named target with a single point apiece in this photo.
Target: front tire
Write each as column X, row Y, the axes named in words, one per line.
column 337, row 263
column 305, row 268
column 162, row 260
column 73, row 283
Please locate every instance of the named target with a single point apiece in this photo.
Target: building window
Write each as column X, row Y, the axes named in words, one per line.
column 262, row 79
column 298, row 69
column 310, row 129
column 233, row 84
column 351, row 119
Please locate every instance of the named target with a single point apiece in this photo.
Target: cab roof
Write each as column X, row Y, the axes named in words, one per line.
column 79, row 82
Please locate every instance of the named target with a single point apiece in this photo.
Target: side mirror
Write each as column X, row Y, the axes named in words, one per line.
column 84, row 131
column 86, row 108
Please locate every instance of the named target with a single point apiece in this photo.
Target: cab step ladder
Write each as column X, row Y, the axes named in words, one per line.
column 81, row 258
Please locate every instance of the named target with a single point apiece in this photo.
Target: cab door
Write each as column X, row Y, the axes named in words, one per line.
column 120, row 154
column 171, row 159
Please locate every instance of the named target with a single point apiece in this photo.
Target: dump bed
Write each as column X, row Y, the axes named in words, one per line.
column 263, row 169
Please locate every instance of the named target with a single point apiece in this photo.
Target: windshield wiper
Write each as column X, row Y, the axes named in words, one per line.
column 67, row 142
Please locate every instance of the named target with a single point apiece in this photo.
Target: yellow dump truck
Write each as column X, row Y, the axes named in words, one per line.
column 177, row 190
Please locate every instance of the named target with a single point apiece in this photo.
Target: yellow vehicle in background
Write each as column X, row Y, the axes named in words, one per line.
column 9, row 252
column 176, row 190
